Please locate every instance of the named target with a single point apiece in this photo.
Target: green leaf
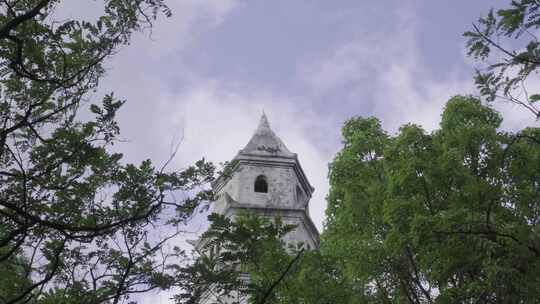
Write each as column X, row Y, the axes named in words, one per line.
column 96, row 109
column 534, row 98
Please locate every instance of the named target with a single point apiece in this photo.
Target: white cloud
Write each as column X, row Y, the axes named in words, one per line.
column 383, row 75
column 190, row 20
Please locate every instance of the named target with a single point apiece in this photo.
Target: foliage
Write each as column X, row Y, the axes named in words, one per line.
column 511, row 32
column 246, row 259
column 447, row 217
column 12, row 270
column 316, row 279
column 83, row 224
column 450, row 216
column 230, row 250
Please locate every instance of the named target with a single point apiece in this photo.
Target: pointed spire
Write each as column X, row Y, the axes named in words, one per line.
column 265, row 142
column 264, row 126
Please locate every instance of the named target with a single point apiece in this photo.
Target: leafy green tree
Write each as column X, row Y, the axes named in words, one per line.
column 450, row 216
column 82, row 221
column 246, row 260
column 506, row 41
column 12, row 273
column 230, row 250
column 315, row 279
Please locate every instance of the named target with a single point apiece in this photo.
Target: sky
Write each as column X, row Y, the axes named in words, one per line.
column 205, row 75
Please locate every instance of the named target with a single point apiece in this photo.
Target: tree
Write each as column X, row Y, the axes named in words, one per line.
column 80, row 221
column 450, row 216
column 233, row 248
column 511, row 33
column 245, row 260
column 12, row 278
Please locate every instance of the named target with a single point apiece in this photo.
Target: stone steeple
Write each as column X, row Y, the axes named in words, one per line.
column 266, row 178
column 265, row 143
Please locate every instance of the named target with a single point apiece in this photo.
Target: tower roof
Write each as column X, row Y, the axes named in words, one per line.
column 265, row 142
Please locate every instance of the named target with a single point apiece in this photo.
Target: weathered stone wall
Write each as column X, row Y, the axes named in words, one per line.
column 281, row 186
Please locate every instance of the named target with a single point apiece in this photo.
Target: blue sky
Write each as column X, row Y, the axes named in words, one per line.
column 205, row 75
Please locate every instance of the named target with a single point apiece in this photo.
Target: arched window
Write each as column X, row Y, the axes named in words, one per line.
column 260, row 184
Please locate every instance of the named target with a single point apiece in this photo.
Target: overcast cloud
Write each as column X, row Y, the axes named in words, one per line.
column 207, row 73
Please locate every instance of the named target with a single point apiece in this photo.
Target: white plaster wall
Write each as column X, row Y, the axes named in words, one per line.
column 282, row 182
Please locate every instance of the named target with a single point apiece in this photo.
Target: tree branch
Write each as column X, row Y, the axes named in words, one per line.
column 13, row 23
column 281, row 277
column 500, row 48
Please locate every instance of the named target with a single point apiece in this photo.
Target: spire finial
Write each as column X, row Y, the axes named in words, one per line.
column 265, row 142
column 263, row 123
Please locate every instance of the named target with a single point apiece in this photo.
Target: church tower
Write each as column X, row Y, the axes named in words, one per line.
column 267, row 179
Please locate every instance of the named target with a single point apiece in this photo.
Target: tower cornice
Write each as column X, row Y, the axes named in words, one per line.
column 266, row 161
